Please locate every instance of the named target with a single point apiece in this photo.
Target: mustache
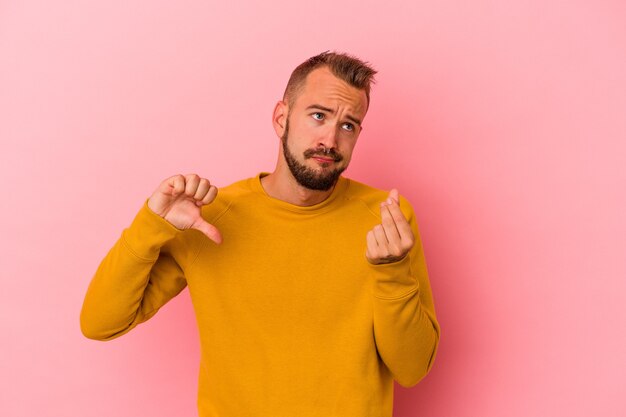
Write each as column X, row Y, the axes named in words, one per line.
column 330, row 153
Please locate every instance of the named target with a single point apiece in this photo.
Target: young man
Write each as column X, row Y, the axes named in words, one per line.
column 310, row 289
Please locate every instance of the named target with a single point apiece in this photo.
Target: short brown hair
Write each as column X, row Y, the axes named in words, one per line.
column 346, row 67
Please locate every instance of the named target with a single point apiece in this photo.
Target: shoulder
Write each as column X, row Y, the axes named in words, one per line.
column 226, row 196
column 193, row 238
column 372, row 197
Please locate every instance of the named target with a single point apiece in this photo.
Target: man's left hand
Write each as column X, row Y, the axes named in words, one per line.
column 392, row 240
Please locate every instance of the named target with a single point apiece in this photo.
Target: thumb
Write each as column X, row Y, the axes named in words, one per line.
column 393, row 194
column 209, row 230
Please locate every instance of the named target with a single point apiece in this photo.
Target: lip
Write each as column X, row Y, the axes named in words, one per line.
column 323, row 160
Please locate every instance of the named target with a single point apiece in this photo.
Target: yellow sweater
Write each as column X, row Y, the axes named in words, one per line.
column 293, row 320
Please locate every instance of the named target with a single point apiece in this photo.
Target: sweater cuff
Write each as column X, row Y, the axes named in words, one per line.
column 148, row 233
column 393, row 280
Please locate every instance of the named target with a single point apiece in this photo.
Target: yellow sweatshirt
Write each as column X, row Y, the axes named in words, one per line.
column 293, row 320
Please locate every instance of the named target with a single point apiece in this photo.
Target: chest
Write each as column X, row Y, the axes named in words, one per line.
column 300, row 268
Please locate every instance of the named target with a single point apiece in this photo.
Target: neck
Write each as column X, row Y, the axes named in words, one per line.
column 281, row 185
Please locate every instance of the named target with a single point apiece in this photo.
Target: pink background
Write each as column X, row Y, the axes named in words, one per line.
column 502, row 122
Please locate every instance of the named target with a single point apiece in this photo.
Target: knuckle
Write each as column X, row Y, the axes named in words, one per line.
column 192, row 177
column 396, row 251
column 178, row 181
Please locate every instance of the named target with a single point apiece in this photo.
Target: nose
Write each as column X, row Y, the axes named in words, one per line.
column 329, row 139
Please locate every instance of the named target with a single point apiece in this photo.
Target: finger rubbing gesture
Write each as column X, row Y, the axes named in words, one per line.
column 391, row 240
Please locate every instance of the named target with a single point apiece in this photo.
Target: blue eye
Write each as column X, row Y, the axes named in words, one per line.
column 320, row 114
column 350, row 126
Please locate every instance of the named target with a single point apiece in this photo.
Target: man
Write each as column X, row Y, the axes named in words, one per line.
column 310, row 289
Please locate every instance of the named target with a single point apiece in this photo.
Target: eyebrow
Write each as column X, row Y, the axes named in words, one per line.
column 331, row 111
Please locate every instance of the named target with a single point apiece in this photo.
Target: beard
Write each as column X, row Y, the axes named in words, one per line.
column 308, row 177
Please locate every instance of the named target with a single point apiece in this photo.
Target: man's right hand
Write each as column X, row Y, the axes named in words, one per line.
column 179, row 199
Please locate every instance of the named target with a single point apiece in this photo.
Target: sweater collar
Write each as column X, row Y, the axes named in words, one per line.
column 328, row 203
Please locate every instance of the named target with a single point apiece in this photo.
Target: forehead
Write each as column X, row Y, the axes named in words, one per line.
column 324, row 88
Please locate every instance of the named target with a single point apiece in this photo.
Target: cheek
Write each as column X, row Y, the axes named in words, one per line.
column 300, row 128
column 348, row 148
column 309, row 132
column 305, row 138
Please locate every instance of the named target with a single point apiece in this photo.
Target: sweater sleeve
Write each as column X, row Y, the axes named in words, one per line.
column 138, row 276
column 405, row 325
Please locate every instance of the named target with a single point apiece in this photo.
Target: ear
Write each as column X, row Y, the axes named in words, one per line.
column 279, row 118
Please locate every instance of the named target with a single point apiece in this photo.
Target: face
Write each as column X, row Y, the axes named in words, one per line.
column 321, row 129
